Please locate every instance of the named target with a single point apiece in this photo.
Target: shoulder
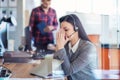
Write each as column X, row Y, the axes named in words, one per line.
column 36, row 9
column 53, row 10
column 86, row 45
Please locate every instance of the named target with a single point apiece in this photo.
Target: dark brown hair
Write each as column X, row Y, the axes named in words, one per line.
column 75, row 21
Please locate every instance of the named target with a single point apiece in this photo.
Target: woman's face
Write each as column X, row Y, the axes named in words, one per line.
column 68, row 28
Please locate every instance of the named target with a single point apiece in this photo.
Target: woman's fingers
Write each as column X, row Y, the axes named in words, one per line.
column 60, row 34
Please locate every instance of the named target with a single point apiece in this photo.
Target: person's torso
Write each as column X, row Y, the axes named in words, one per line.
column 41, row 16
column 47, row 19
column 86, row 73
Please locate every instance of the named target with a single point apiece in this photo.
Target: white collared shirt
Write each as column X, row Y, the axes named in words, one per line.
column 74, row 48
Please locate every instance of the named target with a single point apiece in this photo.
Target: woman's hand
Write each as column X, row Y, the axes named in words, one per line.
column 61, row 39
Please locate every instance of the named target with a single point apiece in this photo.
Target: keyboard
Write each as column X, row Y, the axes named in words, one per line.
column 42, row 54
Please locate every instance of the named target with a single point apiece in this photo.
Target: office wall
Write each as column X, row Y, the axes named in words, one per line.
column 29, row 5
column 18, row 32
column 91, row 22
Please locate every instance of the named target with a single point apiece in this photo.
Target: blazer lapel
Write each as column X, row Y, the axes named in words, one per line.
column 67, row 50
column 78, row 51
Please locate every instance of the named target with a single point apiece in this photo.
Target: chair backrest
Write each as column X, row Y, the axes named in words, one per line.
column 27, row 37
column 94, row 38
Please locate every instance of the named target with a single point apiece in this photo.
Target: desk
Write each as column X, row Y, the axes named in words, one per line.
column 22, row 70
column 107, row 74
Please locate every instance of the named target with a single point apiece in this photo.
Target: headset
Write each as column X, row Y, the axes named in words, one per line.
column 74, row 23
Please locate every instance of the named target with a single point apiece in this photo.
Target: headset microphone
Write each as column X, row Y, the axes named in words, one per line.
column 71, row 34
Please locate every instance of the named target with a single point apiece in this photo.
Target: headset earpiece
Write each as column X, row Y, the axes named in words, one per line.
column 74, row 23
column 76, row 28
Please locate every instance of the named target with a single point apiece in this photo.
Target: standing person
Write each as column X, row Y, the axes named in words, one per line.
column 75, row 49
column 43, row 21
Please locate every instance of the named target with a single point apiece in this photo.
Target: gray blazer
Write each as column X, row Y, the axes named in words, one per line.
column 80, row 64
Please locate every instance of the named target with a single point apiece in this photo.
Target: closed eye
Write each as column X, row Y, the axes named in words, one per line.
column 66, row 29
